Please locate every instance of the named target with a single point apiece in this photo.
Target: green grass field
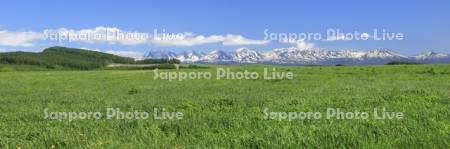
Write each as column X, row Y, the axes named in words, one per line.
column 229, row 113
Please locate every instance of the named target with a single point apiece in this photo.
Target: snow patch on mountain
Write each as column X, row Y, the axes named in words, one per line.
column 297, row 56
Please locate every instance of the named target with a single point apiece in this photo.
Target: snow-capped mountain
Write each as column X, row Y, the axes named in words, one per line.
column 303, row 56
column 432, row 57
column 383, row 53
column 190, row 57
column 161, row 54
column 296, row 56
column 217, row 56
column 382, row 56
column 244, row 55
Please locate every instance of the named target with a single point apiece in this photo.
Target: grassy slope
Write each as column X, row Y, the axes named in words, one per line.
column 62, row 58
column 224, row 113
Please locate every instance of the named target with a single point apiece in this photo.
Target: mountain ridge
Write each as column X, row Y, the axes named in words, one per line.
column 296, row 56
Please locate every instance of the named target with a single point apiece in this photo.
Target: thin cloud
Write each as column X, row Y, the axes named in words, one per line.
column 19, row 39
column 109, row 35
column 131, row 54
column 363, row 36
column 113, row 35
column 300, row 44
column 192, row 40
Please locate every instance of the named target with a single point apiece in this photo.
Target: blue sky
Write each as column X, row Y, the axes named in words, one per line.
column 228, row 24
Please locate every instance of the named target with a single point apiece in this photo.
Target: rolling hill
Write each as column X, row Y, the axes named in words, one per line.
column 63, row 58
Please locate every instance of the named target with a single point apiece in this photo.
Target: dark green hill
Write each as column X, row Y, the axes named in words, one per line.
column 63, row 58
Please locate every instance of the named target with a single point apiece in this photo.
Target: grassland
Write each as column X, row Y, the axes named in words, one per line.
column 62, row 58
column 229, row 113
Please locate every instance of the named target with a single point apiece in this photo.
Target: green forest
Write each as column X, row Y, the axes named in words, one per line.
column 71, row 59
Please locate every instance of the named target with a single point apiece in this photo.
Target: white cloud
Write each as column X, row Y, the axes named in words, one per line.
column 19, row 39
column 114, row 35
column 131, row 54
column 110, row 35
column 342, row 37
column 335, row 38
column 240, row 40
column 187, row 40
column 193, row 40
column 91, row 49
column 303, row 45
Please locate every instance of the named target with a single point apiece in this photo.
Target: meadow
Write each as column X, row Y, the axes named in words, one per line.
column 229, row 113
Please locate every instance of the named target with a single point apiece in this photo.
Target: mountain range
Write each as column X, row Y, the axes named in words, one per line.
column 296, row 56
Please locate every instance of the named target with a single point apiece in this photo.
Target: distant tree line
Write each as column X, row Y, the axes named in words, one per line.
column 403, row 63
column 61, row 57
column 159, row 61
column 71, row 58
